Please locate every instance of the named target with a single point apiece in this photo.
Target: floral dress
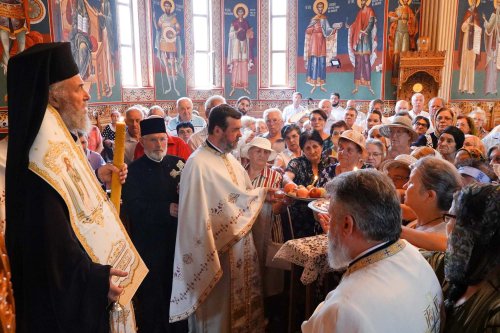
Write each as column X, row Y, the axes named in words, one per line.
column 108, row 134
column 303, row 222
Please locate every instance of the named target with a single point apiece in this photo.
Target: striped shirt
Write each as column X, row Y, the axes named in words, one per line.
column 273, row 179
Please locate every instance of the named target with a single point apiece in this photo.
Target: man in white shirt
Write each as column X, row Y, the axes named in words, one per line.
column 293, row 108
column 418, row 103
column 326, row 106
column 388, row 286
column 337, row 110
column 435, row 104
column 350, row 118
column 184, row 108
column 401, row 106
column 201, row 135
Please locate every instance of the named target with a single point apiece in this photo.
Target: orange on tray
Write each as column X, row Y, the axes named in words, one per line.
column 304, row 193
column 289, row 187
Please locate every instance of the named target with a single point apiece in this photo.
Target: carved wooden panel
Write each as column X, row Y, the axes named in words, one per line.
column 421, row 67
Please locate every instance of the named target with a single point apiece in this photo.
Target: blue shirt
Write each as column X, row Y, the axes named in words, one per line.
column 197, row 121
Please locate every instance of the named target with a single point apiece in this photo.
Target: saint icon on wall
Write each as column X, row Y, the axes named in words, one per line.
column 168, row 46
column 239, row 51
column 362, row 45
column 469, row 47
column 492, row 46
column 320, row 45
column 403, row 30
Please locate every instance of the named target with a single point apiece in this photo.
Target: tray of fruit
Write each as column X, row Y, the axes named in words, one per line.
column 303, row 193
column 320, row 205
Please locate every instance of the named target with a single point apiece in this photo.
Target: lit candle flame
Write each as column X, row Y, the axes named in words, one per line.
column 355, row 169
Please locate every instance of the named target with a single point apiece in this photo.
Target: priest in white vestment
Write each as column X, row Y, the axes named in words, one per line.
column 388, row 286
column 216, row 282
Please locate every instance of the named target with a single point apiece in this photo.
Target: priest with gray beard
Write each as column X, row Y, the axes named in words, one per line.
column 60, row 228
column 388, row 286
column 150, row 199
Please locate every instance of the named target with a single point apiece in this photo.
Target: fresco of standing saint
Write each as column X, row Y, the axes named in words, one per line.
column 239, row 51
column 362, row 45
column 320, row 45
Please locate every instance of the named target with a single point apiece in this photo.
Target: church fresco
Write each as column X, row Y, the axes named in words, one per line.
column 23, row 23
column 90, row 27
column 403, row 22
column 476, row 59
column 168, row 54
column 240, row 51
column 340, row 48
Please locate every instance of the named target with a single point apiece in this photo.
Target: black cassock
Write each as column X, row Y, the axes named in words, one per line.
column 57, row 288
column 147, row 194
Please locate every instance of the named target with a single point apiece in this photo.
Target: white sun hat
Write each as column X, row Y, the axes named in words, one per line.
column 260, row 143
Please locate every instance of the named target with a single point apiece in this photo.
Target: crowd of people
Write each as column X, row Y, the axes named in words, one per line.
column 202, row 205
column 427, row 156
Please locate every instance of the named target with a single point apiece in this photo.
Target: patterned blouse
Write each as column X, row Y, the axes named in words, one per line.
column 302, row 169
column 108, row 133
column 272, row 179
column 303, row 222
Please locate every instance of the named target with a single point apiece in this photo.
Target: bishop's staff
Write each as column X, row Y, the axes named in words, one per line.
column 118, row 160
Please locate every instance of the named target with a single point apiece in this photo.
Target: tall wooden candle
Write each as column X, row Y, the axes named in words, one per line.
column 118, row 160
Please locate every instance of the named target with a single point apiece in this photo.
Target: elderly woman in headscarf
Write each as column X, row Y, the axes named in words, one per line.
column 450, row 141
column 472, row 261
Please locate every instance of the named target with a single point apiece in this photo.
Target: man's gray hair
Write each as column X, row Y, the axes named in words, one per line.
column 209, row 103
column 371, row 199
column 415, row 95
column 437, row 99
column 57, row 88
column 137, row 107
column 350, row 108
column 440, row 176
column 183, row 99
column 477, row 110
column 323, row 101
column 246, row 121
column 155, row 107
column 271, row 110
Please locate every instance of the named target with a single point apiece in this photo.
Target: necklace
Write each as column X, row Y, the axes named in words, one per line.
column 428, row 222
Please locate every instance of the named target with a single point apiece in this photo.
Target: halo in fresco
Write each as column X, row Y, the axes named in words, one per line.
column 36, row 11
column 368, row 2
column 401, row 2
column 471, row 2
column 171, row 2
column 238, row 5
column 325, row 5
